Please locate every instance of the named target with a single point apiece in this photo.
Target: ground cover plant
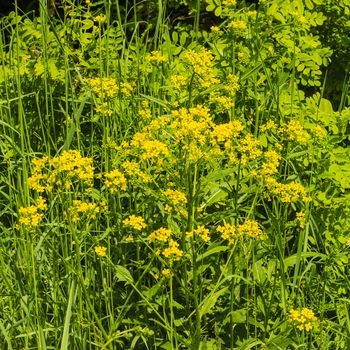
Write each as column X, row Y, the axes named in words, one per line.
column 175, row 175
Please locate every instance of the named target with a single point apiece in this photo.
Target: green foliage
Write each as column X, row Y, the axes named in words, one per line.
column 174, row 175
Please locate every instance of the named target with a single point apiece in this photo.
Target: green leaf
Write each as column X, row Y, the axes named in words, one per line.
column 123, row 274
column 39, row 69
column 210, row 301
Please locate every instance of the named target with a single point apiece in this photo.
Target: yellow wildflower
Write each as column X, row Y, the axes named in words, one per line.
column 135, row 222
column 303, row 319
column 155, row 56
column 173, row 252
column 160, row 235
column 250, row 229
column 101, row 251
column 228, row 232
column 115, row 181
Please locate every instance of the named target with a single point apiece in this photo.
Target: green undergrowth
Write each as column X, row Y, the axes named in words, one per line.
column 175, row 180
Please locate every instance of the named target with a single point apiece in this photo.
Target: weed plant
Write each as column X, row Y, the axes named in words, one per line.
column 172, row 182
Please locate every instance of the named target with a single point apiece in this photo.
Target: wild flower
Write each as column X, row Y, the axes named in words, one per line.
column 225, row 133
column 31, row 216
column 237, row 25
column 132, row 170
column 320, row 132
column 215, row 29
column 178, row 81
column 155, row 57
column 149, row 149
column 223, row 103
column 191, row 125
column 270, row 164
column 269, row 125
column 201, row 231
column 229, row 3
column 202, row 63
column 300, row 217
column 100, row 18
column 287, row 193
column 101, row 251
column 304, row 319
column 249, row 148
column 115, row 181
column 228, row 232
column 127, row 88
column 145, row 112
column 104, row 109
column 160, row 235
column 103, row 87
column 295, row 131
column 61, row 171
column 166, row 273
column 175, row 197
column 81, row 209
column 250, row 229
column 173, row 252
column 135, row 222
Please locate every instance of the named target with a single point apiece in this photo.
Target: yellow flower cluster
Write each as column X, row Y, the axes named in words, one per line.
column 269, row 125
column 228, row 232
column 178, row 81
column 103, row 87
column 163, row 235
column 79, row 208
column 31, row 216
column 270, row 164
column 295, row 131
column 166, row 273
column 250, row 229
column 238, row 25
column 155, row 56
column 202, row 65
column 133, row 171
column 104, row 109
column 224, row 133
column 229, row 3
column 304, row 319
column 135, row 222
column 115, row 181
column 215, row 29
column 160, row 235
column 224, row 103
column 150, row 149
column 127, row 88
column 101, row 251
column 287, row 193
column 100, row 18
column 300, row 217
column 175, row 197
column 232, row 85
column 320, row 132
column 201, row 231
column 173, row 252
column 61, row 171
column 145, row 112
column 191, row 125
column 249, row 148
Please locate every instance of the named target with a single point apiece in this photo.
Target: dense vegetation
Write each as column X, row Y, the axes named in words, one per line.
column 175, row 175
